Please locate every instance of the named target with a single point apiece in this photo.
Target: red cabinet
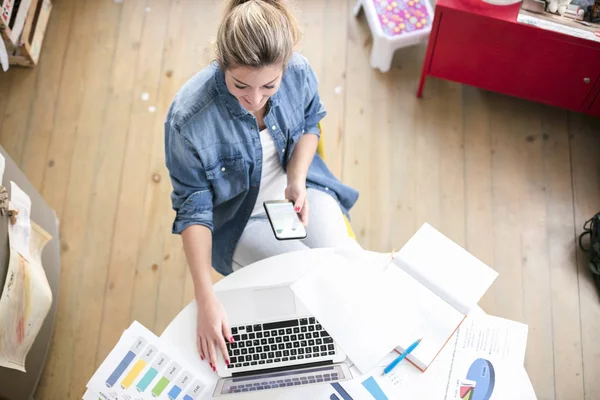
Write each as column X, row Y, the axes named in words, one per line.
column 595, row 107
column 495, row 52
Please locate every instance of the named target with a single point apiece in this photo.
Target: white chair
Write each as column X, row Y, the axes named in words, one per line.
column 395, row 24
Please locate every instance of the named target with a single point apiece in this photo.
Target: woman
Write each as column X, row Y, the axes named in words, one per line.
column 242, row 131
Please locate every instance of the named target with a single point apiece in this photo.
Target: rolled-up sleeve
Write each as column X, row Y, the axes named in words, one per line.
column 192, row 195
column 313, row 110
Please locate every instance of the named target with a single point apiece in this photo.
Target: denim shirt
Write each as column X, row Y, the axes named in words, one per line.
column 214, row 154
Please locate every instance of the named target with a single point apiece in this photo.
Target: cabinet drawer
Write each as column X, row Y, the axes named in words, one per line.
column 514, row 59
column 595, row 108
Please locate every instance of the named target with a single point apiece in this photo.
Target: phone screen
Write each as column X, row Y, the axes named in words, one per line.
column 284, row 220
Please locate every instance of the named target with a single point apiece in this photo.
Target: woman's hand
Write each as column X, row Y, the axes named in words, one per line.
column 212, row 330
column 296, row 192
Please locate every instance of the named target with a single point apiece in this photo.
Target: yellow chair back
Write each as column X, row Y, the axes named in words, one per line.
column 321, row 152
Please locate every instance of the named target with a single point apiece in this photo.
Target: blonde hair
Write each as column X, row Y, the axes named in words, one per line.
column 256, row 33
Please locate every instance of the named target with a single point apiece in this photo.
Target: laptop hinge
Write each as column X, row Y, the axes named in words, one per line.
column 284, row 368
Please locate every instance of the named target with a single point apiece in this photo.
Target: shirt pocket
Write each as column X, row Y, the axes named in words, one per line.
column 228, row 177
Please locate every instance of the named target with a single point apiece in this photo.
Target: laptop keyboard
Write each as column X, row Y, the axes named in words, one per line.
column 274, row 383
column 271, row 344
column 281, row 379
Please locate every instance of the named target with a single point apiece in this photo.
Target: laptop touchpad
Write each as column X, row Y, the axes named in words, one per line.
column 274, row 303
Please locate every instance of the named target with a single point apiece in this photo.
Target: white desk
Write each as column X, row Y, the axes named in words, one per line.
column 284, row 268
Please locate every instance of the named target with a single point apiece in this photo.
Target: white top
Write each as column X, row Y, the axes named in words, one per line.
column 273, row 179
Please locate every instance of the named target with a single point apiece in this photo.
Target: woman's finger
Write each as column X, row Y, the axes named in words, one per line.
column 226, row 331
column 204, row 344
column 299, row 202
column 223, row 348
column 304, row 214
column 212, row 354
column 199, row 347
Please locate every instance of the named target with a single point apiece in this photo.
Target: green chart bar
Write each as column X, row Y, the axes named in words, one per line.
column 160, row 386
column 169, row 376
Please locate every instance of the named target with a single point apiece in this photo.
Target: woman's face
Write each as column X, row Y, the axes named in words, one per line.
column 253, row 86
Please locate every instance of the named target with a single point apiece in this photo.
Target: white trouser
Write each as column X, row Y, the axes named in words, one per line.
column 326, row 228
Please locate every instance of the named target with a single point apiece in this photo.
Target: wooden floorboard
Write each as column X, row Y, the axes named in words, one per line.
column 44, row 103
column 585, row 141
column 16, row 116
column 512, row 181
column 128, row 20
column 67, row 182
column 564, row 283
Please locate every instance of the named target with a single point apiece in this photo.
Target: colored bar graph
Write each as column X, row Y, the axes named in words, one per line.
column 184, row 379
column 157, row 366
column 174, row 392
column 116, row 374
column 371, row 385
column 146, row 380
column 135, row 349
column 187, row 397
column 160, row 386
column 169, row 375
column 135, row 371
column 147, row 356
column 341, row 391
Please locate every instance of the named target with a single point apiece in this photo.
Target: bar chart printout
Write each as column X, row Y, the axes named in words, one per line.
column 135, row 350
column 140, row 367
column 168, row 376
column 147, row 356
column 157, row 366
column 194, row 391
column 180, row 385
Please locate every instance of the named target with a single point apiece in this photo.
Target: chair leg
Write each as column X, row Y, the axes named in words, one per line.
column 357, row 7
column 381, row 54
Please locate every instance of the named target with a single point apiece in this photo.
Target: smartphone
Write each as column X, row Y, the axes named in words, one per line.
column 284, row 220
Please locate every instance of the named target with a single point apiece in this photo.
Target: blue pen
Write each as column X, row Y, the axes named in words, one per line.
column 401, row 357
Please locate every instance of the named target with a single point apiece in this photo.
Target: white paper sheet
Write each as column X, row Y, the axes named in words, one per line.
column 25, row 302
column 2, row 159
column 500, row 341
column 3, row 56
column 17, row 28
column 358, row 302
column 489, row 349
column 20, row 233
column 350, row 302
column 445, row 268
column 142, row 367
column 89, row 395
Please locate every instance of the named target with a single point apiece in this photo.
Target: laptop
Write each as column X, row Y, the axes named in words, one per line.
column 277, row 344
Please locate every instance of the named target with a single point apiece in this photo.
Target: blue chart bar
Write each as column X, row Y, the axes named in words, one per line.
column 112, row 379
column 341, row 391
column 187, row 397
column 334, row 397
column 174, row 392
column 374, row 389
column 146, row 380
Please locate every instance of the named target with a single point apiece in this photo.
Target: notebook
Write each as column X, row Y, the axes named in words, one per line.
column 442, row 283
column 371, row 305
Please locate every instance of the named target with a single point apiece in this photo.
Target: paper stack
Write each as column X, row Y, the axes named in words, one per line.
column 141, row 367
column 483, row 361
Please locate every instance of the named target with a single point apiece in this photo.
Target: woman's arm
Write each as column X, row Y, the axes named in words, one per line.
column 192, row 200
column 303, row 154
column 212, row 327
column 197, row 244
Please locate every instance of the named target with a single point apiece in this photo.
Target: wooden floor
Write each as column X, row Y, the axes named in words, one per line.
column 512, row 181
